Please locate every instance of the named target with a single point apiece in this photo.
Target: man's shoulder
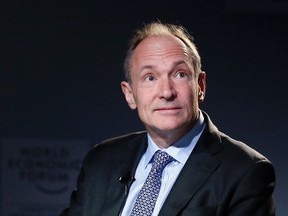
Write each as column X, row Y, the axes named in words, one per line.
column 240, row 150
column 126, row 138
column 233, row 149
column 118, row 144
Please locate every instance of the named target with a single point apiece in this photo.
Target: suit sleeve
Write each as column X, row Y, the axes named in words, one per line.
column 253, row 195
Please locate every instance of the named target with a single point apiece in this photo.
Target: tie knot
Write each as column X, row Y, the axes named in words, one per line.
column 160, row 160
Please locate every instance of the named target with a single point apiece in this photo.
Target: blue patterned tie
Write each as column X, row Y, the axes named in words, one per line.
column 147, row 197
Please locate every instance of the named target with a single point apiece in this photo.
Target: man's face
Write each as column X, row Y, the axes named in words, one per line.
column 164, row 87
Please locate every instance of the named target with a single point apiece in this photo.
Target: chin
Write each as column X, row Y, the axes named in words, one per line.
column 171, row 127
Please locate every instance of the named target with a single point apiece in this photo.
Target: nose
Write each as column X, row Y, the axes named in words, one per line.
column 167, row 89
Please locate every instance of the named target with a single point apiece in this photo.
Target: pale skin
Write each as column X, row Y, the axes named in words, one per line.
column 164, row 88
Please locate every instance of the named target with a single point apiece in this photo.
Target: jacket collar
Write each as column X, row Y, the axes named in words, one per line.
column 200, row 165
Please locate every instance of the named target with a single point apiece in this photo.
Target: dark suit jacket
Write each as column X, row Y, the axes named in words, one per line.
column 221, row 177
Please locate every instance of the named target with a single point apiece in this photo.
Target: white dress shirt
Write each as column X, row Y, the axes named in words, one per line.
column 180, row 151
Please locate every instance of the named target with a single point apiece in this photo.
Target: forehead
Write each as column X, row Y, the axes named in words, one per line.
column 159, row 52
column 161, row 46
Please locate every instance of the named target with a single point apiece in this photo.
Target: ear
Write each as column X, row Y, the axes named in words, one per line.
column 128, row 93
column 201, row 86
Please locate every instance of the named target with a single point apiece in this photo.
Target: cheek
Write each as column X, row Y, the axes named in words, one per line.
column 143, row 97
column 191, row 100
column 144, row 103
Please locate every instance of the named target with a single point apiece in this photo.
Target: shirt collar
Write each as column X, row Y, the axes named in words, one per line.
column 181, row 149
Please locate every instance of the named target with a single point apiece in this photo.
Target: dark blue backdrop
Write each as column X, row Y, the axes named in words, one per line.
column 61, row 65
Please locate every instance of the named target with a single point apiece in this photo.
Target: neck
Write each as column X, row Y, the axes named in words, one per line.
column 164, row 139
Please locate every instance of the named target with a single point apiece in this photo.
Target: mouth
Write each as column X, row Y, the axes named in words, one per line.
column 168, row 110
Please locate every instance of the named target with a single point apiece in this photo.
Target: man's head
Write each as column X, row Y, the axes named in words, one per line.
column 165, row 82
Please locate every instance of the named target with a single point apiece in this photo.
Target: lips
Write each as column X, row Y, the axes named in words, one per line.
column 167, row 110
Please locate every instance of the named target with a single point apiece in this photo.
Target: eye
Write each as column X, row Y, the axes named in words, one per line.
column 181, row 74
column 149, row 78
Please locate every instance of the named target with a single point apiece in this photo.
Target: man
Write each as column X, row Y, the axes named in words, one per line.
column 207, row 173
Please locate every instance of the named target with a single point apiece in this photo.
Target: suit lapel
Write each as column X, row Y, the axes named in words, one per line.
column 199, row 166
column 124, row 167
